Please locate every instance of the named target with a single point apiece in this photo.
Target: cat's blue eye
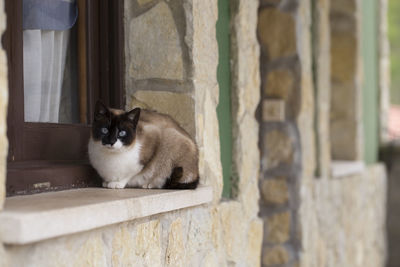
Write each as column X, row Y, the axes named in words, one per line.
column 104, row 130
column 121, row 133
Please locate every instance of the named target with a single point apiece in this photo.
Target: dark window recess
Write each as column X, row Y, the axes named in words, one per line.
column 53, row 156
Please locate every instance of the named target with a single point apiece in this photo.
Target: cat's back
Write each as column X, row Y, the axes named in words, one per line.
column 163, row 133
column 162, row 122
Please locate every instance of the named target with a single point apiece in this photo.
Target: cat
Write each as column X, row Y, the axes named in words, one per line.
column 143, row 149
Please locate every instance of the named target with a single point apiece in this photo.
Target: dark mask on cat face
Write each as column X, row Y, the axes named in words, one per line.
column 113, row 128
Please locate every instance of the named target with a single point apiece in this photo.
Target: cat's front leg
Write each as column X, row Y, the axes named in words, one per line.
column 116, row 184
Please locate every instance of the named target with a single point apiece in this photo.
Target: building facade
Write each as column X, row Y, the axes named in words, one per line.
column 302, row 194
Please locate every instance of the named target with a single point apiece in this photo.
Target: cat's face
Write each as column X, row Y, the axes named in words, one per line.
column 114, row 129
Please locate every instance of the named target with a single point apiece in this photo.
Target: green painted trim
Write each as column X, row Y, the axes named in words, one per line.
column 370, row 83
column 394, row 38
column 224, row 106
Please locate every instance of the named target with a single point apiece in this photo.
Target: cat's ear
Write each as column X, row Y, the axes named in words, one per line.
column 133, row 116
column 100, row 110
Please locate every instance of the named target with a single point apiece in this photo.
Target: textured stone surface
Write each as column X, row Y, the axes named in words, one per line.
column 144, row 2
column 254, row 241
column 278, row 227
column 122, row 244
column 343, row 6
column 322, row 59
column 232, row 232
column 24, row 216
column 275, row 255
column 279, row 148
column 284, row 81
column 346, row 83
column 325, row 216
column 148, row 243
column 91, row 253
column 359, row 239
column 342, row 116
column 154, row 46
column 273, row 110
column 343, row 56
column 175, row 255
column 219, row 234
column 279, row 84
column 245, row 57
column 202, row 16
column 275, row 191
column 178, row 106
column 276, row 31
column 329, row 236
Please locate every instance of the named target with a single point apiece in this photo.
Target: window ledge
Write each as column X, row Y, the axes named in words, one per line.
column 345, row 168
column 32, row 218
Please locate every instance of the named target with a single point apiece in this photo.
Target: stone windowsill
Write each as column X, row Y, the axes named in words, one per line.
column 32, row 218
column 346, row 168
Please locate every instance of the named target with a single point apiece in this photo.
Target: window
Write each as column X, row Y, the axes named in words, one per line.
column 48, row 141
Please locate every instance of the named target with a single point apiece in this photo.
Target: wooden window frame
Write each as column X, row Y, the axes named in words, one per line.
column 47, row 156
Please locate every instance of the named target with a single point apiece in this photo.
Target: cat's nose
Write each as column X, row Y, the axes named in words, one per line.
column 112, row 142
column 109, row 142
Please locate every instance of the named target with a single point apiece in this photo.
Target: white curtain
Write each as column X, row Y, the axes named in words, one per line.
column 44, row 62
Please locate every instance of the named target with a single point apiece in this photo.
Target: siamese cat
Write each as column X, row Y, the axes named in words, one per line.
column 142, row 148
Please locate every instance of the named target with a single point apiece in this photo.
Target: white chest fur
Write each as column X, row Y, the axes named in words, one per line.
column 115, row 164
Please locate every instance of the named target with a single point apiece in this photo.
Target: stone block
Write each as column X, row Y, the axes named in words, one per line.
column 279, row 84
column 279, row 149
column 154, row 46
column 269, row 2
column 275, row 191
column 122, row 244
column 210, row 260
column 276, row 32
column 344, row 6
column 278, row 227
column 275, row 255
column 233, row 226
column 343, row 56
column 254, row 241
column 148, row 243
column 179, row 106
column 91, row 253
column 144, row 2
column 175, row 255
column 273, row 110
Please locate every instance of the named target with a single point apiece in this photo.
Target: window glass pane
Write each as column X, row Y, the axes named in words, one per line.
column 50, row 61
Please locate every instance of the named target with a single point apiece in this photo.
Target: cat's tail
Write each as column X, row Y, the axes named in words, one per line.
column 173, row 182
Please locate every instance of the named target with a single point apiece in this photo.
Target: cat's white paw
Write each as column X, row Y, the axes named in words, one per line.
column 115, row 185
column 150, row 186
column 147, row 186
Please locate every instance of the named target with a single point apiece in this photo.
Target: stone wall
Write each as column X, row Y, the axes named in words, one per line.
column 308, row 217
column 346, row 80
column 281, row 90
column 343, row 221
column 310, row 93
column 171, row 61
